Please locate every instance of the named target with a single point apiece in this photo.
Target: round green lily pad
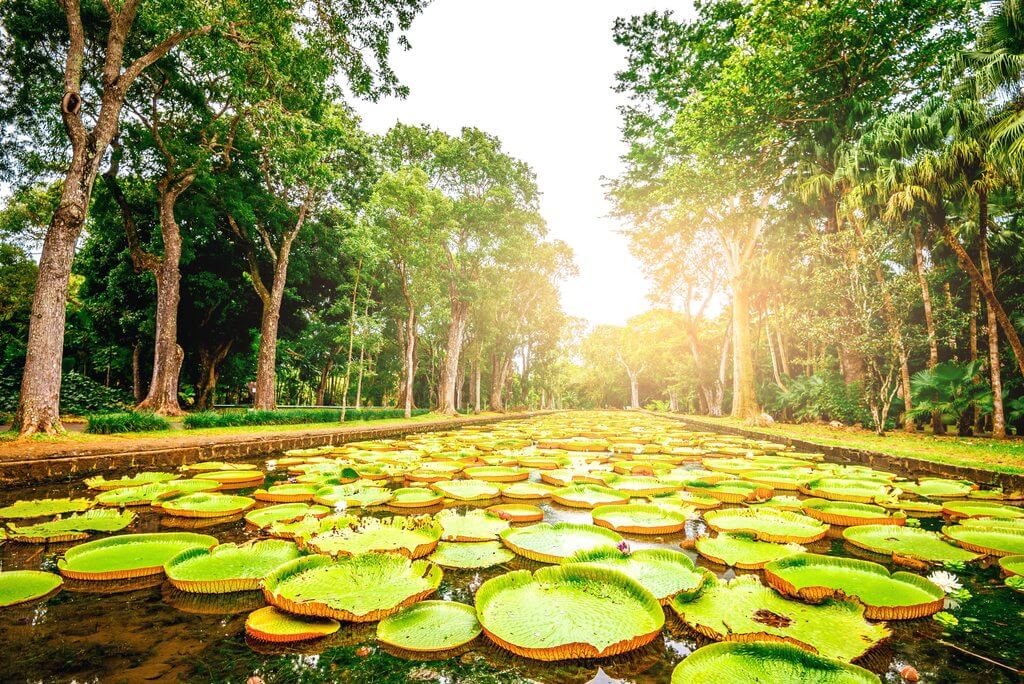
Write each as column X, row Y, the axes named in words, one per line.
column 765, row 662
column 233, row 479
column 210, row 466
column 1012, row 565
column 589, row 496
column 743, row 609
column 843, row 489
column 569, row 611
column 264, row 517
column 470, row 555
column 981, row 509
column 553, row 543
column 430, row 627
column 687, row 498
column 663, row 572
column 733, row 491
column 271, row 624
column 767, row 524
column 102, row 483
column 206, row 505
column 128, row 555
column 72, row 528
column 228, row 567
column 993, row 541
column 849, row 513
column 415, row 497
column 783, row 502
column 640, row 518
column 147, row 494
column 352, row 495
column 38, row 508
column 21, row 586
column 467, row 490
column 286, row 492
column 906, row 542
column 637, row 485
column 471, row 526
column 497, row 473
column 938, row 488
column 743, row 551
column 516, row 512
column 408, row 536
column 896, row 596
column 362, row 588
column 527, row 490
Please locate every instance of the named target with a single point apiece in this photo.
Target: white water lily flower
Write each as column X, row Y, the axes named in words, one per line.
column 947, row 581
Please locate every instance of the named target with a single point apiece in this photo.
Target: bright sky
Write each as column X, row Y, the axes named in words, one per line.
column 539, row 75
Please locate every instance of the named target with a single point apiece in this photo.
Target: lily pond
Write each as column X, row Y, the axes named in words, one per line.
column 569, row 547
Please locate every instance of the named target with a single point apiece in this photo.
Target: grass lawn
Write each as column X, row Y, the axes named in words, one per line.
column 237, row 431
column 1002, row 456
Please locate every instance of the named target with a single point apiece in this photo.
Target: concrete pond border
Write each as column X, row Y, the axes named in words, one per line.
column 52, row 469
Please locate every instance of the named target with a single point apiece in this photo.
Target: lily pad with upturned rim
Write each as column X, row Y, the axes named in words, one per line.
column 471, row 526
column 362, row 588
column 72, row 528
column 640, row 519
column 234, row 479
column 743, row 551
column 569, row 611
column 276, row 626
column 728, row 662
column 743, row 609
column 589, row 496
column 733, row 491
column 205, row 505
column 352, row 495
column 841, row 489
column 549, row 543
column 497, row 473
column 412, row 537
column 663, row 572
column 906, row 542
column 981, row 509
column 467, row 490
column 897, row 596
column 767, row 524
column 264, row 517
column 939, row 488
column 228, row 567
column 39, row 508
column 22, row 586
column 517, row 512
column 1012, row 565
column 849, row 513
column 470, row 555
column 139, row 479
column 147, row 494
column 527, row 490
column 430, row 627
column 992, row 541
column 129, row 555
column 414, row 497
column 288, row 492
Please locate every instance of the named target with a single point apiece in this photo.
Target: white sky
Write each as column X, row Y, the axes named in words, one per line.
column 539, row 75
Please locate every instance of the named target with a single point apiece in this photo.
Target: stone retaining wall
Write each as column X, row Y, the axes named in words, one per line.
column 59, row 468
column 914, row 467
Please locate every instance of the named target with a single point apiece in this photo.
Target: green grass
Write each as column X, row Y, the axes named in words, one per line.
column 1001, row 456
column 209, row 419
column 129, row 421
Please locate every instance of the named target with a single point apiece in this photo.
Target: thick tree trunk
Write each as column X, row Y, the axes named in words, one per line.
column 634, row 390
column 972, row 346
column 926, row 299
column 209, row 365
column 137, row 372
column 744, row 399
column 266, row 356
column 409, row 363
column 992, row 327
column 351, row 339
column 476, row 385
column 453, row 349
column 499, row 375
column 359, row 379
column 325, row 374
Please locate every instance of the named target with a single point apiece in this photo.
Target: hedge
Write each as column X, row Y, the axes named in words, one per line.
column 129, row 421
column 212, row 419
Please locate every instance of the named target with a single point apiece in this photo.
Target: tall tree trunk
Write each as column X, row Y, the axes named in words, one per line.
column 771, row 352
column 266, row 357
column 325, row 374
column 359, row 380
column 783, row 355
column 351, row 339
column 634, row 390
column 744, row 399
column 926, row 298
column 498, row 376
column 453, row 348
column 209, row 364
column 998, row 418
column 137, row 372
column 972, row 347
column 476, row 385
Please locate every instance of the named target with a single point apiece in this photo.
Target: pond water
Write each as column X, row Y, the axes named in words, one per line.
column 149, row 631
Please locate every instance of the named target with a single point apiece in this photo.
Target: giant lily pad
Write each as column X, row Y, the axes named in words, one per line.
column 72, row 528
column 527, row 490
column 128, row 555
column 733, row 491
column 849, row 513
column 228, row 567
column 147, row 494
column 352, row 495
column 916, row 509
column 415, row 497
column 896, row 596
column 743, row 609
column 686, row 498
column 38, row 508
column 470, row 555
column 412, row 537
column 102, row 483
column 554, row 543
column 276, row 626
column 264, row 517
column 212, row 466
column 905, row 543
column 782, row 479
column 640, row 486
column 589, row 496
column 517, row 512
column 663, row 572
column 994, row 540
column 286, row 492
column 205, row 505
column 467, row 490
column 842, row 489
column 743, row 551
column 497, row 473
column 22, row 586
column 640, row 518
column 472, row 526
column 430, row 627
column 938, row 488
column 362, row 588
column 571, row 611
column 1012, row 565
column 765, row 662
column 233, row 479
column 767, row 524
column 981, row 509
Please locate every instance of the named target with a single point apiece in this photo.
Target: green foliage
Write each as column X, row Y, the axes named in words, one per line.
column 214, row 419
column 952, row 389
column 129, row 421
column 823, row 396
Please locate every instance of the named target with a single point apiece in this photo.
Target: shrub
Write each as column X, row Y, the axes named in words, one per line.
column 211, row 419
column 822, row 396
column 79, row 395
column 950, row 389
column 129, row 421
